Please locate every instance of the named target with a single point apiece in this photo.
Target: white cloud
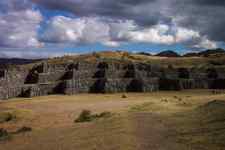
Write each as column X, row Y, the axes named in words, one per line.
column 113, row 33
column 184, row 35
column 19, row 28
column 167, row 35
column 62, row 29
column 156, row 34
column 206, row 43
column 86, row 30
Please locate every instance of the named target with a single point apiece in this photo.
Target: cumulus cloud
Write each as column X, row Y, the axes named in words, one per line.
column 164, row 34
column 156, row 34
column 194, row 23
column 87, row 30
column 206, row 43
column 19, row 28
column 84, row 30
column 204, row 16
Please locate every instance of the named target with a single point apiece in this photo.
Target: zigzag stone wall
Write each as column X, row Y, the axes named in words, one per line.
column 104, row 77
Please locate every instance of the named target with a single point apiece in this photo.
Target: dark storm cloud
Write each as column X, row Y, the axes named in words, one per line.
column 210, row 2
column 14, row 5
column 142, row 11
column 205, row 16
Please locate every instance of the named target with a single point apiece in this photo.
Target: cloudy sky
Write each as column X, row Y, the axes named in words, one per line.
column 42, row 28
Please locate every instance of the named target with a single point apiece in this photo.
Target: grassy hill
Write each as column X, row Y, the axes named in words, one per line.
column 206, row 58
column 120, row 57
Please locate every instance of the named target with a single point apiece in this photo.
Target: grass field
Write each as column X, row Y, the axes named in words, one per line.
column 184, row 120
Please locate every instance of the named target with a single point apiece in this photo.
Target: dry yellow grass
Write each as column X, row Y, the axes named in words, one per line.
column 142, row 121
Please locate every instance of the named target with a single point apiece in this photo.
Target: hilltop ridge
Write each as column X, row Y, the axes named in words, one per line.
column 111, row 72
column 212, row 59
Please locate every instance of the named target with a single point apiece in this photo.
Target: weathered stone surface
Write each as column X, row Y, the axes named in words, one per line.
column 105, row 77
column 104, row 85
column 51, row 76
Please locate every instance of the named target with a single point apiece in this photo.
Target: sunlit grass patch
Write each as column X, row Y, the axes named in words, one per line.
column 13, row 115
column 143, row 107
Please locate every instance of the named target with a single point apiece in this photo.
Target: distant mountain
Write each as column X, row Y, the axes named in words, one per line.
column 191, row 55
column 206, row 53
column 168, row 53
column 16, row 61
column 144, row 53
column 210, row 52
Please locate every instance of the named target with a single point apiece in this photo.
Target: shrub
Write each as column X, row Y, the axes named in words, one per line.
column 6, row 116
column 85, row 116
column 124, row 96
column 4, row 135
column 164, row 100
column 24, row 129
column 104, row 114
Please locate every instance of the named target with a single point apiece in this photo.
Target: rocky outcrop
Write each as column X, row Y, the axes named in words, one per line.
column 104, row 76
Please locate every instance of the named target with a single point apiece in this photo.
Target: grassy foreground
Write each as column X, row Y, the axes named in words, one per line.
column 187, row 120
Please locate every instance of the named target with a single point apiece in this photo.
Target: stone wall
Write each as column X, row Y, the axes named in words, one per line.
column 104, row 85
column 10, row 92
column 13, row 78
column 104, row 77
column 41, row 89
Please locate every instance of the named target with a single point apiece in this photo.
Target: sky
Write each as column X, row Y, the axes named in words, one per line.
column 49, row 28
